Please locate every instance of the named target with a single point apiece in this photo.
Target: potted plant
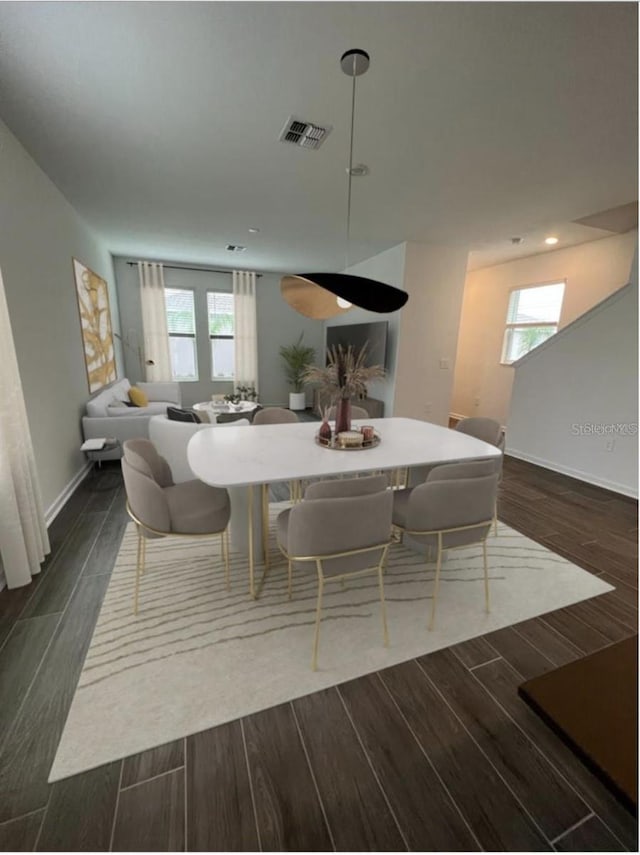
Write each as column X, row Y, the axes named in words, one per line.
column 297, row 358
column 345, row 377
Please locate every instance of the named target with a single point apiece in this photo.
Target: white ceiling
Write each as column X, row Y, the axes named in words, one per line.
column 479, row 121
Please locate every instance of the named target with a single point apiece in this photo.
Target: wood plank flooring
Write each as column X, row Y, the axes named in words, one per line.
column 434, row 754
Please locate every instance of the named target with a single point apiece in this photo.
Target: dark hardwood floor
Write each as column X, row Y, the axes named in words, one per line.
column 438, row 753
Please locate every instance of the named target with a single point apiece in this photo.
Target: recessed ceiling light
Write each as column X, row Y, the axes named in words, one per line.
column 253, row 230
column 550, row 241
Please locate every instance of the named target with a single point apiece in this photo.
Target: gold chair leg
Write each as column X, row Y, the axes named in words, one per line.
column 383, row 606
column 290, row 574
column 224, row 545
column 495, row 520
column 252, row 587
column 265, row 524
column 316, row 639
column 139, row 559
column 436, row 582
column 144, row 555
column 486, row 575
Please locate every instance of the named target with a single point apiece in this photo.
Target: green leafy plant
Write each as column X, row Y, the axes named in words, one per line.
column 297, row 358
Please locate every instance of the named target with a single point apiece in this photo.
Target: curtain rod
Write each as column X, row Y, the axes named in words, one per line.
column 201, row 269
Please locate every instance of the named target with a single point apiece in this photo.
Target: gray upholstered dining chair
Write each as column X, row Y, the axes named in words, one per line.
column 356, row 413
column 160, row 508
column 453, row 508
column 343, row 529
column 490, row 431
column 275, row 416
column 485, row 429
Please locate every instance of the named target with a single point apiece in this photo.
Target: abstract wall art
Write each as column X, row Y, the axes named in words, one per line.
column 95, row 321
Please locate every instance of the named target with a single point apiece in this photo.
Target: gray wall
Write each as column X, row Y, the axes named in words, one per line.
column 39, row 234
column 278, row 324
column 574, row 406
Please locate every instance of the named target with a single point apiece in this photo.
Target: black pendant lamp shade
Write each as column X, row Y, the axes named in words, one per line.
column 304, row 293
column 325, row 295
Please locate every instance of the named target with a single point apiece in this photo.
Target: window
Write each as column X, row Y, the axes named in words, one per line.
column 221, row 331
column 181, row 325
column 532, row 318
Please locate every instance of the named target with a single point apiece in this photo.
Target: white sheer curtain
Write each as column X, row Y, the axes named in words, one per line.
column 154, row 322
column 246, row 334
column 23, row 532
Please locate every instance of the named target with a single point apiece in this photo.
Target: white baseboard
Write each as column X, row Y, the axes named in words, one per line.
column 614, row 486
column 54, row 509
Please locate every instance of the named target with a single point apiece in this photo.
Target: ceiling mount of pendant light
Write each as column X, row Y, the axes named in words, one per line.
column 324, row 295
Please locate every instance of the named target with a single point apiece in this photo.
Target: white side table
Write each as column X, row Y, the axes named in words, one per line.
column 97, row 454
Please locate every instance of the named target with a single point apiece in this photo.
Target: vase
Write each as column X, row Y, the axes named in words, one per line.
column 324, row 434
column 343, row 415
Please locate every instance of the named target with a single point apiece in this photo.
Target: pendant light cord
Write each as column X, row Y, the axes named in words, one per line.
column 353, row 115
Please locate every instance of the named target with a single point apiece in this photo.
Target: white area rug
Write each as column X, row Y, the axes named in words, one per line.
column 197, row 656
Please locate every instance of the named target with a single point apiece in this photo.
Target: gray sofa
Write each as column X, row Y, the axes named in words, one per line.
column 107, row 414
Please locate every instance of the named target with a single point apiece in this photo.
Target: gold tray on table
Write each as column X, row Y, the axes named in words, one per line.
column 336, row 445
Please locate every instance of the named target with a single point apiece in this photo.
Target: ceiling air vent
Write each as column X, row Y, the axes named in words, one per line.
column 235, row 247
column 304, row 134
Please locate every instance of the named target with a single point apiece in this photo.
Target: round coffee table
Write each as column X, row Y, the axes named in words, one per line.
column 213, row 409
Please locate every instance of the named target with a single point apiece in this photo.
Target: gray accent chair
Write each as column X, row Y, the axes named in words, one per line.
column 343, row 529
column 453, row 508
column 171, row 440
column 275, row 416
column 160, row 508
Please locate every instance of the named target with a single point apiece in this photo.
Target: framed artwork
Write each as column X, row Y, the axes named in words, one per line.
column 95, row 322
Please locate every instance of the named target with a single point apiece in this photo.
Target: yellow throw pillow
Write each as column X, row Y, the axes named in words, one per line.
column 138, row 397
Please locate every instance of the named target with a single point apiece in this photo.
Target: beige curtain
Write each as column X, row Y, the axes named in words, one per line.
column 154, row 322
column 23, row 532
column 246, row 334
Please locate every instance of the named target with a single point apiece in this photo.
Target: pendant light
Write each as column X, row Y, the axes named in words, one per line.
column 325, row 295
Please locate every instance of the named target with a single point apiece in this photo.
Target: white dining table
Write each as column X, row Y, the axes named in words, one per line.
column 241, row 459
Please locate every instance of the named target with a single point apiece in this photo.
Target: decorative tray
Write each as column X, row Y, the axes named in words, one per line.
column 336, row 446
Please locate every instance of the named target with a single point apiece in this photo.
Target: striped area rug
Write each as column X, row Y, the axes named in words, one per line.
column 198, row 655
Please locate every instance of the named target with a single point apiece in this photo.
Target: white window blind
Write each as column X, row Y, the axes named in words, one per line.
column 220, row 310
column 181, row 326
column 532, row 317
